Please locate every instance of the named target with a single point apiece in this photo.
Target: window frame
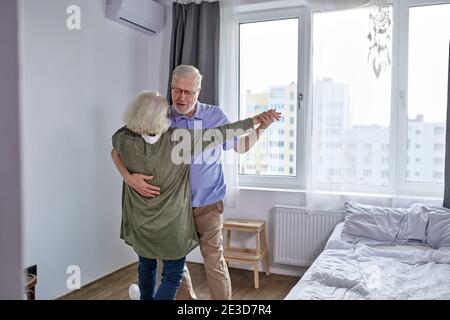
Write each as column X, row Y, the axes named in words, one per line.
column 398, row 184
column 399, row 109
column 298, row 181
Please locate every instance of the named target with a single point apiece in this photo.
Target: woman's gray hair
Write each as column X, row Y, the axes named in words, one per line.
column 188, row 71
column 148, row 114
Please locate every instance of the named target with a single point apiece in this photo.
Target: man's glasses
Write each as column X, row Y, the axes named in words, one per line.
column 187, row 93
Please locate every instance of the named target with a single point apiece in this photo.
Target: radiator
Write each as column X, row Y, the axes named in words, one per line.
column 301, row 234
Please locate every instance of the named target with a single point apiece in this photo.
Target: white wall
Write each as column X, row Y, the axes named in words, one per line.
column 10, row 211
column 75, row 87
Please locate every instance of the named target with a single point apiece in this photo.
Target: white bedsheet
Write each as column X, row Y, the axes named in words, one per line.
column 347, row 271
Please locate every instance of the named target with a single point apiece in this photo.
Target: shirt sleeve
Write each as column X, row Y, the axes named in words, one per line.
column 117, row 140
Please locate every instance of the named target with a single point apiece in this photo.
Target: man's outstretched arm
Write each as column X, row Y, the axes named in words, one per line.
column 135, row 180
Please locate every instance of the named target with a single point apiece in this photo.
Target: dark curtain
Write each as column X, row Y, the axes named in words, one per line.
column 195, row 41
column 447, row 143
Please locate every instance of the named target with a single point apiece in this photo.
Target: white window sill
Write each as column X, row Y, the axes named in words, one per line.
column 272, row 189
column 340, row 193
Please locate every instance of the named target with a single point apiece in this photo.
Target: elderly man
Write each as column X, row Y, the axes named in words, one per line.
column 206, row 179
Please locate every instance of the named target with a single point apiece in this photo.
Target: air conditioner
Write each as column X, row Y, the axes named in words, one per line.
column 146, row 16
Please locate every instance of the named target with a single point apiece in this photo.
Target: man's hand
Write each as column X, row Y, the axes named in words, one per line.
column 139, row 183
column 136, row 180
column 266, row 118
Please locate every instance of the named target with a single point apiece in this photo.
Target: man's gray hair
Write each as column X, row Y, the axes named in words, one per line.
column 148, row 114
column 188, row 71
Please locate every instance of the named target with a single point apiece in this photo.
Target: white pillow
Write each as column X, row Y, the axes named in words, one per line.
column 414, row 224
column 376, row 225
column 372, row 225
column 438, row 231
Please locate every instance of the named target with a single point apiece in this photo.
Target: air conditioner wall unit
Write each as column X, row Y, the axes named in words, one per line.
column 146, row 16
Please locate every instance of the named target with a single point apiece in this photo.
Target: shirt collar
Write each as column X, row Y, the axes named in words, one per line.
column 197, row 115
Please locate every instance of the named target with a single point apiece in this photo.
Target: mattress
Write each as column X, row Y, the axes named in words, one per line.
column 349, row 271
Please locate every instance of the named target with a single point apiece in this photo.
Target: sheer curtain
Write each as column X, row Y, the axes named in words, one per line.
column 349, row 114
column 228, row 91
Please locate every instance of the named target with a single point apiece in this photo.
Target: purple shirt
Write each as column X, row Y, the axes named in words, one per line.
column 206, row 174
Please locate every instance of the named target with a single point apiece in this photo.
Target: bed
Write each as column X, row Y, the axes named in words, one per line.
column 345, row 270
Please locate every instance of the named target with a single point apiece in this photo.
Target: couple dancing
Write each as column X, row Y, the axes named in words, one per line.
column 182, row 207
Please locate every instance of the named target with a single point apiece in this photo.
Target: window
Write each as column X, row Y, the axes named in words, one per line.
column 367, row 173
column 276, row 93
column 369, row 134
column 274, row 45
column 355, row 105
column 426, row 87
column 349, row 98
column 439, row 130
column 438, row 175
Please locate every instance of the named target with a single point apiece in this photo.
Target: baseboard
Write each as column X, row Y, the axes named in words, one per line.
column 295, row 271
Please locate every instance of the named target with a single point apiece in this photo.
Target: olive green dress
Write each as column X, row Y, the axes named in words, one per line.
column 163, row 227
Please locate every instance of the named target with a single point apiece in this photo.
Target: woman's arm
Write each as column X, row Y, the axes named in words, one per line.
column 196, row 141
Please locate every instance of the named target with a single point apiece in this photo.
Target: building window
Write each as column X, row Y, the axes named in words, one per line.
column 439, row 130
column 438, row 175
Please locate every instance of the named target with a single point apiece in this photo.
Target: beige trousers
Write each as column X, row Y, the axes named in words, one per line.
column 209, row 223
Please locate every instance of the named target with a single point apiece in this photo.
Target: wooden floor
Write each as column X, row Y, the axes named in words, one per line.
column 115, row 286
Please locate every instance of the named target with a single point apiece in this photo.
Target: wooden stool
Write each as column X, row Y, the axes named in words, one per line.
column 30, row 287
column 248, row 255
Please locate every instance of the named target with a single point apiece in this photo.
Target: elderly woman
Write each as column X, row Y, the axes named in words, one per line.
column 163, row 227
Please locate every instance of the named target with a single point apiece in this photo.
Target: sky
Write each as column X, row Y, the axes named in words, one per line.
column 269, row 57
column 274, row 41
